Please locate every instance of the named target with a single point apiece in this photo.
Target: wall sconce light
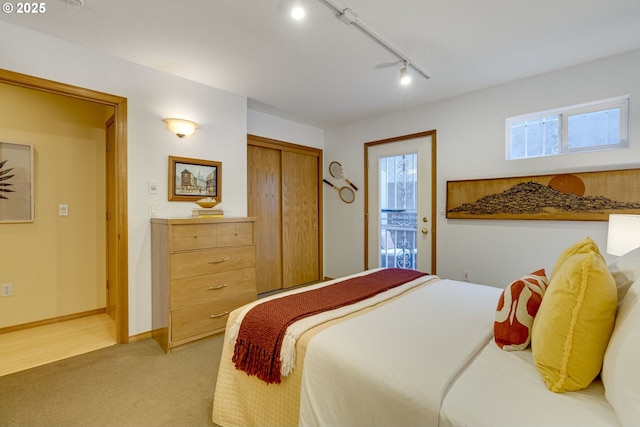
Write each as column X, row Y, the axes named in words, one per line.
column 181, row 127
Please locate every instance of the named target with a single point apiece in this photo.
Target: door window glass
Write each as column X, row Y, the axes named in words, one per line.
column 398, row 211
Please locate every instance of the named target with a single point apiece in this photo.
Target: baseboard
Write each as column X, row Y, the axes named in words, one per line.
column 53, row 320
column 140, row 337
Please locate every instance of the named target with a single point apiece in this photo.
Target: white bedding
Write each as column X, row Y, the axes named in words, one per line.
column 494, row 389
column 426, row 358
column 403, row 381
column 295, row 330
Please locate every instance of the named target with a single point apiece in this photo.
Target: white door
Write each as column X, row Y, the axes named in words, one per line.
column 400, row 205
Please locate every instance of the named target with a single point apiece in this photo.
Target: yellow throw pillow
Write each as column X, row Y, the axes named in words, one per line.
column 573, row 325
column 583, row 246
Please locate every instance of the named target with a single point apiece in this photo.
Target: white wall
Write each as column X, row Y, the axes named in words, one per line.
column 471, row 144
column 151, row 95
column 268, row 126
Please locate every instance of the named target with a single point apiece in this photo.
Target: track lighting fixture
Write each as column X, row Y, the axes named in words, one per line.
column 349, row 17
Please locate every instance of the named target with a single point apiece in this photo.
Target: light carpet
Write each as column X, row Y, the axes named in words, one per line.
column 133, row 384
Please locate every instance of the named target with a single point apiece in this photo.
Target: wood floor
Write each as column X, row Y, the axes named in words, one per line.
column 33, row 347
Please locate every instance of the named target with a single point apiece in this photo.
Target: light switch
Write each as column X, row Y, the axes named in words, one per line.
column 152, row 209
column 63, row 210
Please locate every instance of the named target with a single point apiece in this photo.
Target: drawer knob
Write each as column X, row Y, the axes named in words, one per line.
column 214, row 316
column 213, row 288
column 218, row 261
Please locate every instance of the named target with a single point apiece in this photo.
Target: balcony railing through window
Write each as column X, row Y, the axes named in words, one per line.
column 398, row 238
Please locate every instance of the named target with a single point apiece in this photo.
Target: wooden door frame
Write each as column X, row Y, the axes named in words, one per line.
column 120, row 217
column 432, row 134
column 260, row 141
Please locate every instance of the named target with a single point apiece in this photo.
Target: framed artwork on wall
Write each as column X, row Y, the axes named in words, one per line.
column 580, row 196
column 16, row 183
column 193, row 179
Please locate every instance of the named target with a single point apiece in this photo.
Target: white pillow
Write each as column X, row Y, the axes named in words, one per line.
column 625, row 271
column 620, row 372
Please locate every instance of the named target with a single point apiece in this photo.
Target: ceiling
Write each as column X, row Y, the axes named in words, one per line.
column 323, row 72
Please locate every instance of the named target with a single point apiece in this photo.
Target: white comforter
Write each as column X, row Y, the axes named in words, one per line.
column 340, row 387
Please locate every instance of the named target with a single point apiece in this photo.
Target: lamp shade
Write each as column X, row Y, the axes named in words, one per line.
column 624, row 234
column 181, row 127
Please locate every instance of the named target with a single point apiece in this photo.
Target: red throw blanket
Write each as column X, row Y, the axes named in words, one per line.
column 257, row 349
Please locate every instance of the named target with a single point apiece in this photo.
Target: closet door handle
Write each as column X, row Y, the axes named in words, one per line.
column 214, row 316
column 218, row 261
column 215, row 288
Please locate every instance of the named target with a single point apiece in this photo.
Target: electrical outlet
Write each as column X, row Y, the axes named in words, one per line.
column 466, row 275
column 7, row 289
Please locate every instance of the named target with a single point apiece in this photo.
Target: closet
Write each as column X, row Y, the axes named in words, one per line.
column 284, row 194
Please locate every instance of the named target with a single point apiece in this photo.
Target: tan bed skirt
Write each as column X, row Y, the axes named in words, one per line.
column 243, row 400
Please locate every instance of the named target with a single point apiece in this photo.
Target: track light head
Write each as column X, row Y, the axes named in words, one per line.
column 405, row 77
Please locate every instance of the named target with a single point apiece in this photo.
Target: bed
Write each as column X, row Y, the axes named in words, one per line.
column 425, row 352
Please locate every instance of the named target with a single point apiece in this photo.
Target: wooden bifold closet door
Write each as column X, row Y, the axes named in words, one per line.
column 284, row 195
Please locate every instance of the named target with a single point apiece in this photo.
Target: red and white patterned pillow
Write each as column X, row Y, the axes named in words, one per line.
column 517, row 307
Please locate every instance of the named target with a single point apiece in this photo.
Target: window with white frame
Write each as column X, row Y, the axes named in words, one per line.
column 594, row 126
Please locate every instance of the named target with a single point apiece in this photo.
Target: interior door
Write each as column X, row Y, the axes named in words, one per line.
column 112, row 233
column 285, row 195
column 400, row 196
column 300, row 228
column 263, row 178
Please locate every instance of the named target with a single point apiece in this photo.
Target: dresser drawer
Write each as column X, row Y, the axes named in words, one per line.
column 232, row 234
column 205, row 318
column 186, row 237
column 212, row 287
column 191, row 264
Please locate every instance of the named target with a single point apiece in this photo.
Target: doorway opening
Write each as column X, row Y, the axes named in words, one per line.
column 116, row 197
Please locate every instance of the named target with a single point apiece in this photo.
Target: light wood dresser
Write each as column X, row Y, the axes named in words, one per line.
column 202, row 269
